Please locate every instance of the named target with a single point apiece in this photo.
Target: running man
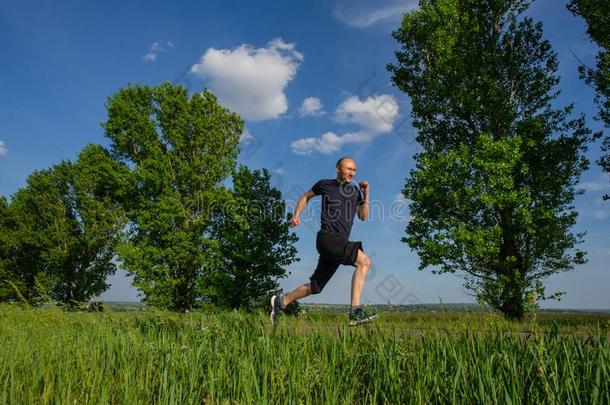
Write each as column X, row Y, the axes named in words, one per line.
column 340, row 201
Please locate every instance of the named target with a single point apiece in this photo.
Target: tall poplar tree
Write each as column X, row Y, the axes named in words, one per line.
column 492, row 190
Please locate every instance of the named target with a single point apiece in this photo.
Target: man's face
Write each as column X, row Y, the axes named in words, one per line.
column 346, row 170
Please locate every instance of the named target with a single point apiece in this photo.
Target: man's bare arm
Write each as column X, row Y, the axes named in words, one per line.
column 295, row 220
column 362, row 210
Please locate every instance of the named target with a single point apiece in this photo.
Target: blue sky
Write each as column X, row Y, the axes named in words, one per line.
column 310, row 80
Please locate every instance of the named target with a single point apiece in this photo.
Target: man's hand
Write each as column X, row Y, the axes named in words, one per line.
column 364, row 186
column 295, row 221
column 363, row 209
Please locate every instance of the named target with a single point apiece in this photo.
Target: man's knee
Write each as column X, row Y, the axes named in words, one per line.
column 315, row 287
column 363, row 260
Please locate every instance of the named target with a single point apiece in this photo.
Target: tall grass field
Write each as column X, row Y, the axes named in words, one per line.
column 52, row 357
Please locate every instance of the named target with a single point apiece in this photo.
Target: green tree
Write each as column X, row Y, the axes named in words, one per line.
column 20, row 263
column 492, row 190
column 7, row 291
column 179, row 148
column 255, row 242
column 64, row 227
column 597, row 15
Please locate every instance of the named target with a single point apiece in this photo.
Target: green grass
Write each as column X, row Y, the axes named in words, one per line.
column 49, row 356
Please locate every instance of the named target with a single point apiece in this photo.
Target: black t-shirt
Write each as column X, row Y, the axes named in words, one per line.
column 339, row 203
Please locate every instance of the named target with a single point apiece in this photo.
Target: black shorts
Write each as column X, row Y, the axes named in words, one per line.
column 334, row 250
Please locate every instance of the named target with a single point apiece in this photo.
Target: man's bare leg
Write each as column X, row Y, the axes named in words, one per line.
column 278, row 306
column 301, row 291
column 363, row 264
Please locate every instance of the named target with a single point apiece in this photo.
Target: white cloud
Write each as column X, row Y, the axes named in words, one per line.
column 601, row 215
column 251, row 81
column 311, row 106
column 156, row 49
column 366, row 13
column 328, row 143
column 3, row 149
column 375, row 115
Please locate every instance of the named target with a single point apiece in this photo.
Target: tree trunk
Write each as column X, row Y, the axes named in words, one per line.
column 513, row 307
column 512, row 304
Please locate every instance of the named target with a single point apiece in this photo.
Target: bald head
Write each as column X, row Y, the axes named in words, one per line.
column 346, row 169
column 343, row 159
